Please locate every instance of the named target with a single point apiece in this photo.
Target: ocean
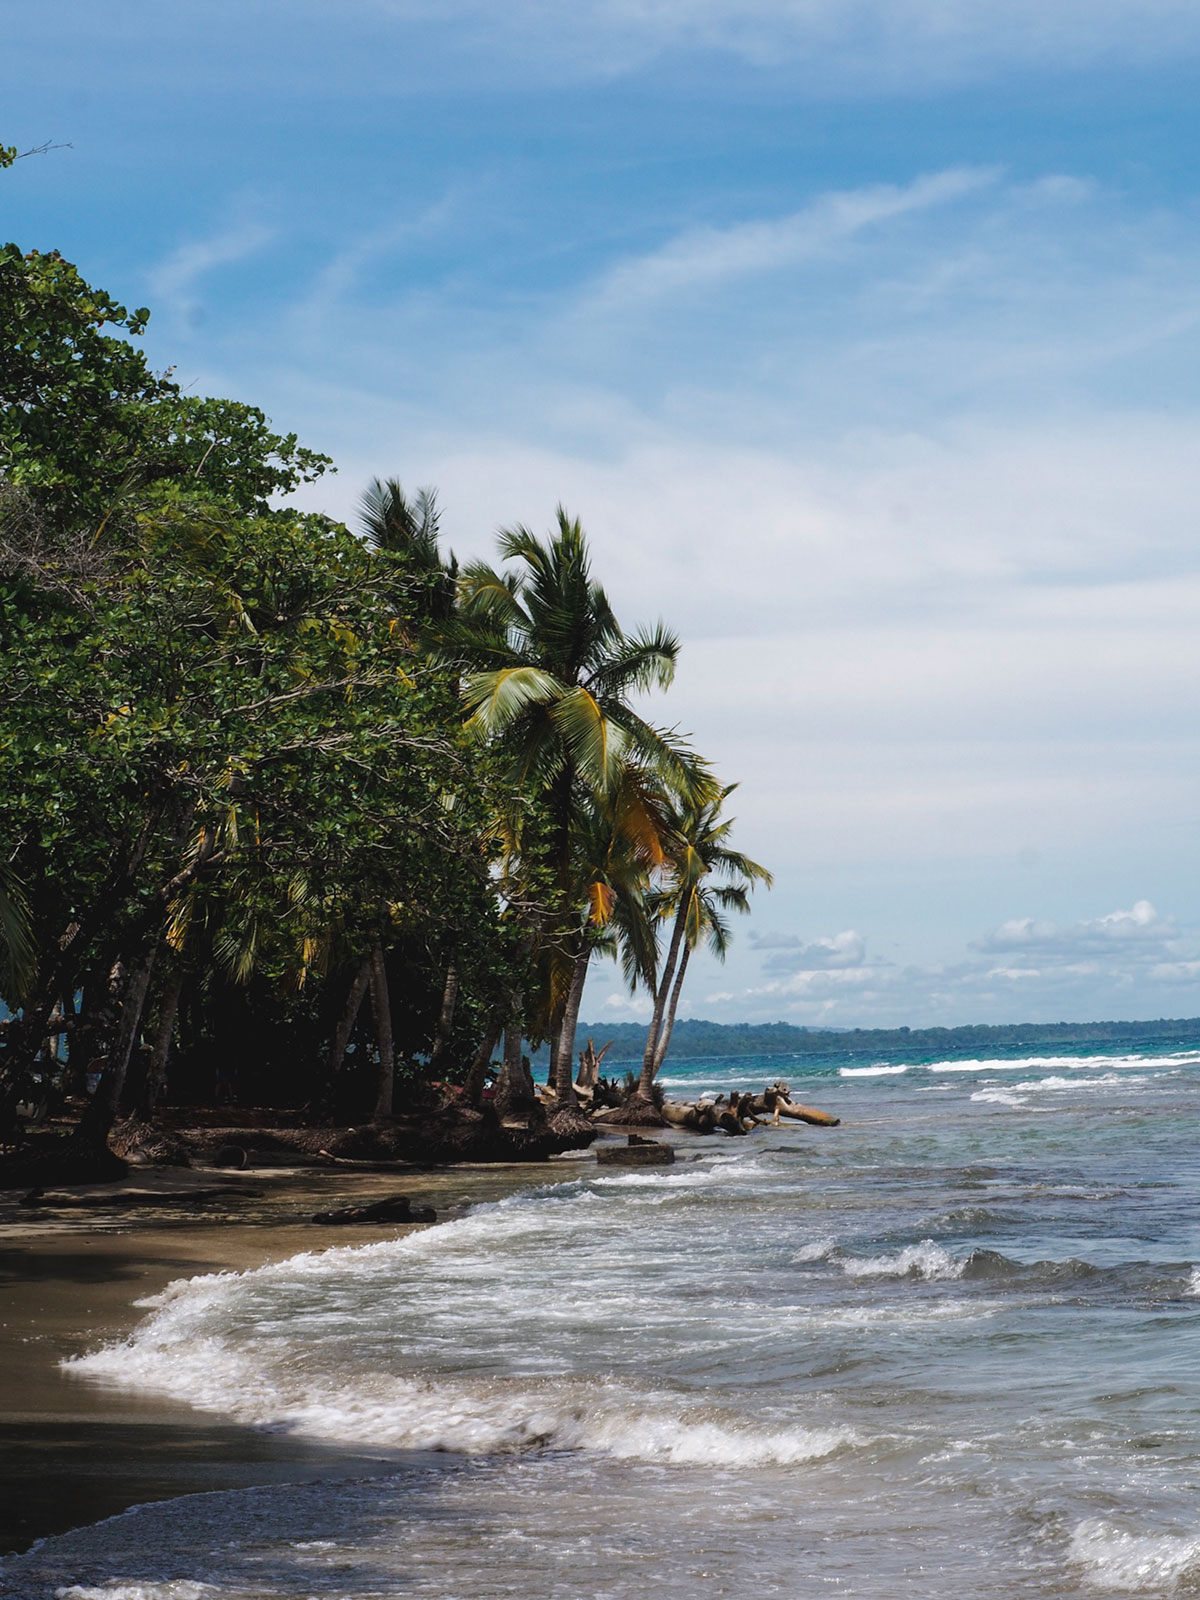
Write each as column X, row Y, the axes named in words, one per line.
column 949, row 1348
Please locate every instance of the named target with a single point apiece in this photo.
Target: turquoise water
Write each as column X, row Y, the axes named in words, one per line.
column 948, row 1347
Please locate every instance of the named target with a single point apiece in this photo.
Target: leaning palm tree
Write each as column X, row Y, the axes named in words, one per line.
column 695, row 905
column 550, row 677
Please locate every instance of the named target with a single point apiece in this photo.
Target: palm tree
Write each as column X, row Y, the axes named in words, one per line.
column 550, row 677
column 393, row 523
column 696, row 906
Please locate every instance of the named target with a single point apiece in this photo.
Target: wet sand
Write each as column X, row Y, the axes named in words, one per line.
column 73, row 1451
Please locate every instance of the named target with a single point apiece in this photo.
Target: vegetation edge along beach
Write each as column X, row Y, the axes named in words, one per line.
column 306, row 820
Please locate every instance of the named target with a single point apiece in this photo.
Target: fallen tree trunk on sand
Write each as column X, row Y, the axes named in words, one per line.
column 809, row 1114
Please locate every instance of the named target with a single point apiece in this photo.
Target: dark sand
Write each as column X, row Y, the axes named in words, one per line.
column 73, row 1451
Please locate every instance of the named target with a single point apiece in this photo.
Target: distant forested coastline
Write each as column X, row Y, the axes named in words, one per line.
column 700, row 1039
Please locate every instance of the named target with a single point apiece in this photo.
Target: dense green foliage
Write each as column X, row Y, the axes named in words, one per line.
column 255, row 768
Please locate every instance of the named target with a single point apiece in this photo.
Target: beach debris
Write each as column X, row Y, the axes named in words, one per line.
column 62, row 1200
column 395, row 1208
column 738, row 1113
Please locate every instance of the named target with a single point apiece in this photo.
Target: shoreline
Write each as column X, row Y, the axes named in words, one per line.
column 73, row 1451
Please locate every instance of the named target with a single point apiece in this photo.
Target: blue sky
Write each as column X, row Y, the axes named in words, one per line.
column 863, row 336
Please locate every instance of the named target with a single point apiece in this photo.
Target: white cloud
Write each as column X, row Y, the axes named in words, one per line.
column 790, row 953
column 1133, row 958
column 1140, row 930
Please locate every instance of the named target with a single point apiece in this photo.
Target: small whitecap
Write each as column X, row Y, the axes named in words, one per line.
column 1129, row 1562
column 925, row 1260
column 817, row 1250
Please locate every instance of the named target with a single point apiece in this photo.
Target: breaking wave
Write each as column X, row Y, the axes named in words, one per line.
column 226, row 1343
column 173, row 1589
column 925, row 1260
column 1130, row 1562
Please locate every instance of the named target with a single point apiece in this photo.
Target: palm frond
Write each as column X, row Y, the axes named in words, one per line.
column 641, row 661
column 494, row 700
column 597, row 744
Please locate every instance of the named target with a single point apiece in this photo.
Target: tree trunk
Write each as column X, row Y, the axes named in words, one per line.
column 382, row 1006
column 553, row 1042
column 589, row 1065
column 96, row 1122
column 515, row 1097
column 564, row 1064
column 160, row 1045
column 349, row 1016
column 473, row 1092
column 445, row 1019
column 664, row 1038
column 646, row 1080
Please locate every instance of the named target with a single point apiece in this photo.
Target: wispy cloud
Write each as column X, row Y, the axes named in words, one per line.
column 174, row 282
column 703, row 258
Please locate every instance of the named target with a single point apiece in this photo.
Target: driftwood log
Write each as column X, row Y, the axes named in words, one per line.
column 395, row 1208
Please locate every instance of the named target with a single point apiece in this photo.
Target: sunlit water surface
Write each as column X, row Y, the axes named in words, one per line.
column 946, row 1349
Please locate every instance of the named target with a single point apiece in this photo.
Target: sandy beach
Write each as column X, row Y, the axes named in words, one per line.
column 73, row 1451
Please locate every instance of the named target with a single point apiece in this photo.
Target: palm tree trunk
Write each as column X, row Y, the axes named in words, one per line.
column 645, row 1082
column 564, row 1086
column 96, row 1122
column 552, row 1041
column 445, row 1019
column 349, row 1016
column 514, row 1092
column 660, row 1054
column 382, row 1007
column 473, row 1091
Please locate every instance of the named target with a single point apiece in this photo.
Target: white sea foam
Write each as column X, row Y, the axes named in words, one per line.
column 926, row 1260
column 1000, row 1097
column 473, row 1418
column 118, row 1589
column 700, row 1175
column 818, row 1250
column 880, row 1070
column 1065, row 1063
column 1194, row 1282
column 1114, row 1559
column 226, row 1343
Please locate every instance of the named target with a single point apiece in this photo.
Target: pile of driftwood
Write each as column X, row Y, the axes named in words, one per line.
column 738, row 1113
